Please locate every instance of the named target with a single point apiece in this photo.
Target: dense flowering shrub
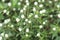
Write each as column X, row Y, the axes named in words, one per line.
column 29, row 19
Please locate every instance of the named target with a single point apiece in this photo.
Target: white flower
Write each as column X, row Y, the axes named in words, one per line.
column 51, row 15
column 35, row 3
column 3, row 0
column 12, row 26
column 41, row 26
column 38, row 34
column 41, row 5
column 9, row 4
column 17, row 19
column 24, row 23
column 1, row 24
column 29, row 21
column 39, row 0
column 43, row 0
column 30, row 15
column 2, row 34
column 44, row 22
column 54, row 28
column 58, row 15
column 55, row 0
column 24, row 8
column 26, row 20
column 20, row 29
column 34, row 9
column 22, row 16
column 0, row 37
column 18, row 8
column 6, row 35
column 19, row 3
column 6, row 21
column 14, row 9
column 58, row 6
column 42, row 11
column 21, row 11
column 27, row 35
column 5, row 11
column 50, row 1
column 36, row 16
column 27, row 29
column 27, row 3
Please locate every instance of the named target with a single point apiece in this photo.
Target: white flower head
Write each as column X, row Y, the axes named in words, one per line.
column 26, row 20
column 51, row 15
column 36, row 16
column 22, row 16
column 2, row 34
column 27, row 29
column 54, row 29
column 30, row 15
column 3, row 0
column 21, row 10
column 19, row 3
column 17, row 19
column 29, row 21
column 27, row 35
column 0, row 37
column 1, row 24
column 4, row 11
column 34, row 9
column 55, row 0
column 38, row 34
column 44, row 22
column 24, row 23
column 12, row 26
column 41, row 5
column 14, row 9
column 58, row 15
column 39, row 0
column 58, row 6
column 27, row 3
column 24, row 8
column 43, row 0
column 35, row 3
column 18, row 8
column 7, row 13
column 41, row 26
column 6, row 35
column 9, row 4
column 20, row 29
column 42, row 11
column 6, row 21
column 50, row 1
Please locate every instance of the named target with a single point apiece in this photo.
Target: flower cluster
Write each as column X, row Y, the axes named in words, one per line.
column 29, row 19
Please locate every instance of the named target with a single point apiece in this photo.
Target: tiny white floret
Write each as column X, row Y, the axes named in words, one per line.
column 27, row 29
column 41, row 26
column 22, row 16
column 9, row 4
column 29, row 21
column 17, row 19
column 54, row 28
column 20, row 29
column 36, row 16
column 35, row 3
